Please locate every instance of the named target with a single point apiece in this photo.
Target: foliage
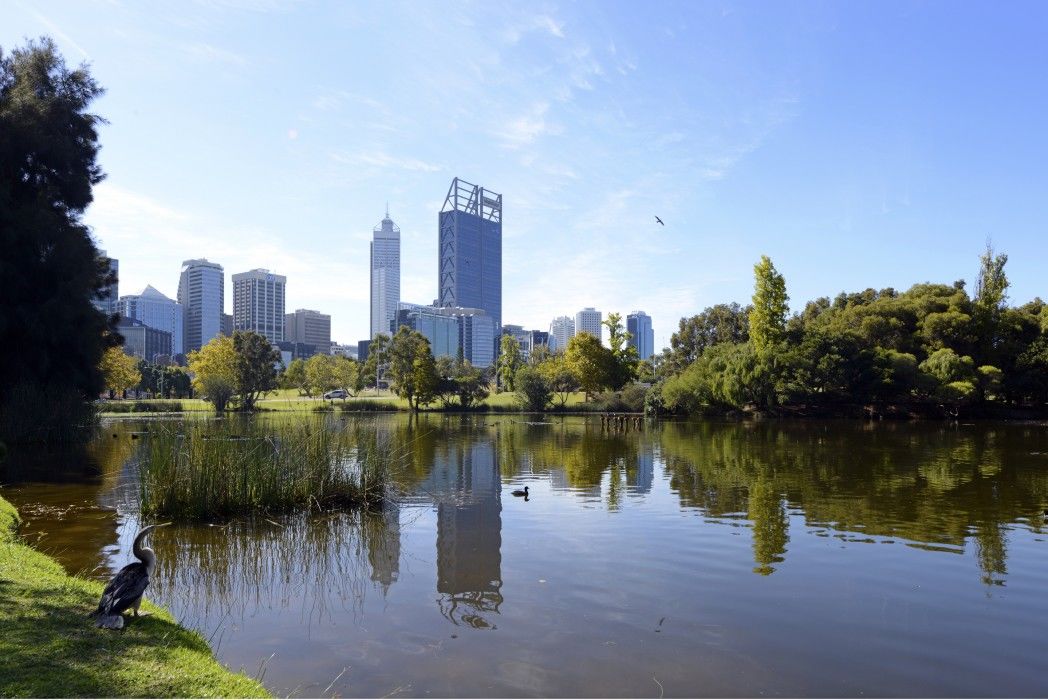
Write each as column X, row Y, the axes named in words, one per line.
column 460, row 380
column 51, row 271
column 163, row 381
column 256, row 367
column 294, row 377
column 560, row 378
column 120, row 370
column 624, row 358
column 533, row 390
column 509, row 361
column 768, row 314
column 721, row 323
column 214, row 369
column 412, row 375
column 375, row 367
column 590, row 362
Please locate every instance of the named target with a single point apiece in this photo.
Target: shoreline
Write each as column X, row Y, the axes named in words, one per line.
column 50, row 648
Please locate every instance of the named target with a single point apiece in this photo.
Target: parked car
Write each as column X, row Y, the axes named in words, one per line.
column 336, row 394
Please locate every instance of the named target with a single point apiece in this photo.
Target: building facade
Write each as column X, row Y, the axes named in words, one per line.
column 470, row 251
column 561, row 330
column 201, row 292
column 258, row 303
column 156, row 311
column 142, row 341
column 385, row 275
column 588, row 321
column 639, row 324
column 441, row 330
column 522, row 337
column 311, row 327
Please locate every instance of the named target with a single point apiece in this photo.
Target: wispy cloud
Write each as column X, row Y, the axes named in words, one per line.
column 526, row 128
column 213, row 54
column 381, row 159
column 57, row 31
column 541, row 22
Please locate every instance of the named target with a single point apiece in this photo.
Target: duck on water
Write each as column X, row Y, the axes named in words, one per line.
column 125, row 590
column 523, row 493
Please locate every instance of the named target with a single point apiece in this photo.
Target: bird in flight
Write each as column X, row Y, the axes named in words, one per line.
column 659, row 220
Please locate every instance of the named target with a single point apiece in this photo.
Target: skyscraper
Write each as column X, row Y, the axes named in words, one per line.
column 385, row 275
column 258, row 303
column 201, row 292
column 156, row 311
column 639, row 324
column 588, row 321
column 561, row 330
column 470, row 251
column 311, row 327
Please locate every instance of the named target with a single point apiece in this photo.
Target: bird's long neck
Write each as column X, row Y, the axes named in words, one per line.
column 144, row 554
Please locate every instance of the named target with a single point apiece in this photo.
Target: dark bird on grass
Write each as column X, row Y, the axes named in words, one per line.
column 125, row 590
column 660, row 221
column 523, row 493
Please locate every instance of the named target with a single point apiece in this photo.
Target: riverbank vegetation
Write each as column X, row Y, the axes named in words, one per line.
column 931, row 350
column 194, row 470
column 50, row 649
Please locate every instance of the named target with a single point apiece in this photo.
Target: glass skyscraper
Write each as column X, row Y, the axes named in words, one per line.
column 639, row 324
column 470, row 251
column 385, row 275
column 201, row 292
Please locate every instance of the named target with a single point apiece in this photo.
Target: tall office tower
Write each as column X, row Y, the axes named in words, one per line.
column 522, row 337
column 470, row 251
column 258, row 303
column 108, row 301
column 639, row 324
column 156, row 311
column 561, row 330
column 442, row 330
column 310, row 327
column 385, row 275
column 201, row 292
column 588, row 321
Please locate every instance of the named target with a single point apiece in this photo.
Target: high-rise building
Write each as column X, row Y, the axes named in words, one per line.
column 156, row 311
column 385, row 275
column 311, row 327
column 561, row 330
column 522, row 337
column 258, row 303
column 201, row 292
column 539, row 338
column 639, row 324
column 441, row 330
column 108, row 302
column 143, row 342
column 588, row 321
column 470, row 251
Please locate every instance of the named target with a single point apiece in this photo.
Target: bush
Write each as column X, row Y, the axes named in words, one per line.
column 366, row 406
column 533, row 391
column 143, row 407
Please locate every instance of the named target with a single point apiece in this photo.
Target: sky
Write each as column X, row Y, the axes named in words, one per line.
column 857, row 144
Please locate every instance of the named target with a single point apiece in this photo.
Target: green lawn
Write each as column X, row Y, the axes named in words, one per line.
column 50, row 648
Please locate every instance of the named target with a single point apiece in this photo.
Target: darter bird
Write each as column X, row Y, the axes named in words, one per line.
column 126, row 588
column 659, row 220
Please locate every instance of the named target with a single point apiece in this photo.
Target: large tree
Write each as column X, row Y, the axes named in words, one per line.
column 256, row 367
column 214, row 369
column 413, row 376
column 509, row 361
column 624, row 355
column 768, row 315
column 50, row 270
column 120, row 370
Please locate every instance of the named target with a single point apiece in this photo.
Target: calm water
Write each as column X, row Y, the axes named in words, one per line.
column 812, row 559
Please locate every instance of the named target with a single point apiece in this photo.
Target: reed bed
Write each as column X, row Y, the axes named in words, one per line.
column 222, row 469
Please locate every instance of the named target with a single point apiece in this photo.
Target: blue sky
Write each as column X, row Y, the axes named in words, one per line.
column 857, row 144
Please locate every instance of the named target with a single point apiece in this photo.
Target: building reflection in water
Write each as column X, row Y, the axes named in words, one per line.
column 466, row 484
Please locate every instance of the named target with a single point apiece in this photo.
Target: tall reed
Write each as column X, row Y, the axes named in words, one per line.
column 194, row 471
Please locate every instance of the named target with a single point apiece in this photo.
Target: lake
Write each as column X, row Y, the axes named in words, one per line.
column 816, row 558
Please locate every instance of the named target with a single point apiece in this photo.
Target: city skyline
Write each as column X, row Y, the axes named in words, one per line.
column 783, row 131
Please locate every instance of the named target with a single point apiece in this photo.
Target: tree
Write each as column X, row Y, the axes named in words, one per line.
column 295, row 377
column 256, row 367
column 378, row 360
column 321, row 374
column 990, row 297
column 560, row 378
column 347, row 370
column 768, row 315
column 409, row 377
column 50, row 271
column 120, row 370
column 460, row 380
column 509, row 361
column 623, row 355
column 425, row 378
column 590, row 362
column 533, row 391
column 721, row 323
column 214, row 369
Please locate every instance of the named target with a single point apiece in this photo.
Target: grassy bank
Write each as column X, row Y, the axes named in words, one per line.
column 49, row 648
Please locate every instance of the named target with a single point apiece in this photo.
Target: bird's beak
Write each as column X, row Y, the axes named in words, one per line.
column 164, row 524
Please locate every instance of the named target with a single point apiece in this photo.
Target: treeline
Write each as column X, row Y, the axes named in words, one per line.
column 930, row 349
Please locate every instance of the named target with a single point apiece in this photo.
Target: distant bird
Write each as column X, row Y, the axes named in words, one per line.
column 125, row 590
column 659, row 220
column 523, row 493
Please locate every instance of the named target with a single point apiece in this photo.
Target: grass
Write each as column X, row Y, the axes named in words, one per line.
column 49, row 648
column 219, row 469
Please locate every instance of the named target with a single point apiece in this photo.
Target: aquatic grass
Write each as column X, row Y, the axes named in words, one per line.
column 220, row 469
